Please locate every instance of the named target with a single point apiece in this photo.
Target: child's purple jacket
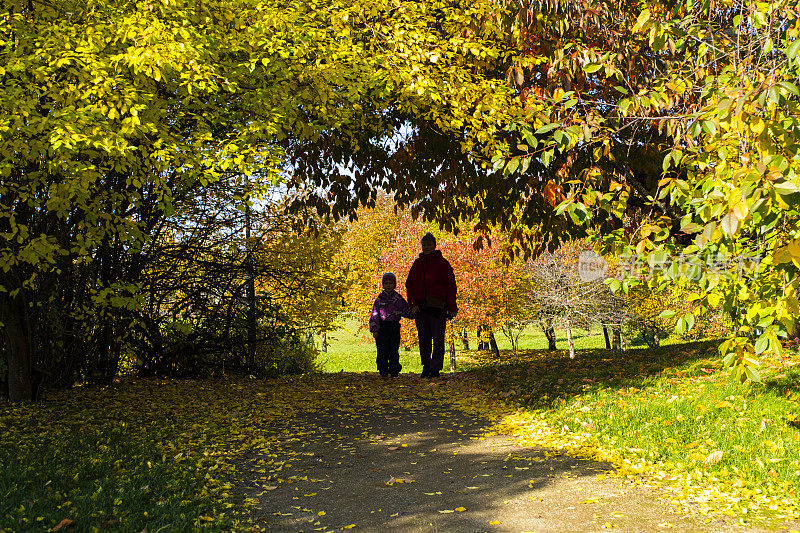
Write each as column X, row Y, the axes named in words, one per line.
column 388, row 308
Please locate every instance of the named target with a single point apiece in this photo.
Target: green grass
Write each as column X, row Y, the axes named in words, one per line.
column 673, row 414
column 351, row 349
column 113, row 457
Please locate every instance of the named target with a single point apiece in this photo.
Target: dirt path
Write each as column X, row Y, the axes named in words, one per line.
column 395, row 455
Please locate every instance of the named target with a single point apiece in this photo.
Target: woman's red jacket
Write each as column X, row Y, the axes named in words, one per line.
column 439, row 281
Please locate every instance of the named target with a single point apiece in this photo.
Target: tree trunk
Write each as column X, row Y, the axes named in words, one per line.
column 617, row 338
column 452, row 356
column 323, row 347
column 605, row 334
column 251, row 294
column 513, row 346
column 493, row 344
column 550, row 334
column 483, row 344
column 569, row 340
column 18, row 357
column 465, row 339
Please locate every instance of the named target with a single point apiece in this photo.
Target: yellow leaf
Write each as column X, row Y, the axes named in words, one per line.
column 321, row 513
column 461, row 509
column 494, row 522
column 351, row 526
column 207, row 518
column 723, row 404
column 713, row 458
column 794, row 249
column 446, row 511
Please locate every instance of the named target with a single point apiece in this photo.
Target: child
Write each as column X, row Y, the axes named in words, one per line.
column 384, row 323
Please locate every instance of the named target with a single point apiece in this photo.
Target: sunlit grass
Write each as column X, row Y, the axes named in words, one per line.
column 351, row 349
column 672, row 414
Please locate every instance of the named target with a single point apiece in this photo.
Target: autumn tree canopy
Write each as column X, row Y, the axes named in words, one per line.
column 663, row 127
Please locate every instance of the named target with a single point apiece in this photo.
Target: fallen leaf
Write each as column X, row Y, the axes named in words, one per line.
column 446, row 511
column 64, row 523
column 713, row 458
column 461, row 509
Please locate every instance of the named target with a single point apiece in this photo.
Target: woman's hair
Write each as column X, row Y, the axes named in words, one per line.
column 428, row 237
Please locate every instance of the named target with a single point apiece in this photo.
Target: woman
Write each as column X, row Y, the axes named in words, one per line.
column 431, row 293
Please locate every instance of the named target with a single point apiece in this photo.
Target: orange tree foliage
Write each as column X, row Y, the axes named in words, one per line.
column 381, row 240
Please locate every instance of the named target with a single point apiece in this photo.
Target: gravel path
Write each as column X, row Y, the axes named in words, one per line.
column 398, row 459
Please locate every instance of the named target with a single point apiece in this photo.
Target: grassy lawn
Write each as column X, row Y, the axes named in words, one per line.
column 351, row 349
column 670, row 414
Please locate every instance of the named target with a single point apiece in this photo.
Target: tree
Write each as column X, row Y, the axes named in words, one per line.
column 670, row 130
column 114, row 117
column 488, row 287
column 559, row 293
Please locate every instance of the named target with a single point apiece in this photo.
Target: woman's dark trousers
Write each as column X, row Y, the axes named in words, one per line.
column 430, row 329
column 388, row 343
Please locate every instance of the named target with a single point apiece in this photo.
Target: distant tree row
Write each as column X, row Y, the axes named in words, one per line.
column 498, row 294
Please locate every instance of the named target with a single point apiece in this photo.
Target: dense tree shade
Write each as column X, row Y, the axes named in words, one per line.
column 664, row 128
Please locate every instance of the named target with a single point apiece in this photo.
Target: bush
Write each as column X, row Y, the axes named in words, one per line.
column 287, row 354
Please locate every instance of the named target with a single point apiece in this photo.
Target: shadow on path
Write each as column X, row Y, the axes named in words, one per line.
column 396, row 455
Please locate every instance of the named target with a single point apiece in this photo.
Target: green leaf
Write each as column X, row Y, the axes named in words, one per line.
column 591, row 68
column 752, row 374
column 791, row 87
column 791, row 50
column 546, row 128
column 512, row 165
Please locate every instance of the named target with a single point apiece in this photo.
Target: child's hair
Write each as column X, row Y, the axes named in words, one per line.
column 428, row 237
column 388, row 275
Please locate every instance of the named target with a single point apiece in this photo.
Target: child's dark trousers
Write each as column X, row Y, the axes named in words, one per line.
column 388, row 343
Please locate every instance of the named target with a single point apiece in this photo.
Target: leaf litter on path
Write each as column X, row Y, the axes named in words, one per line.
column 447, row 468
